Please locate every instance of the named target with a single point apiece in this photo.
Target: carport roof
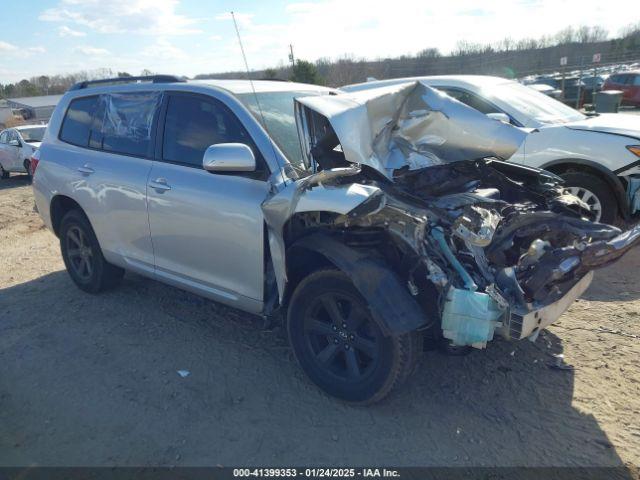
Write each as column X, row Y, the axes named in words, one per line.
column 35, row 102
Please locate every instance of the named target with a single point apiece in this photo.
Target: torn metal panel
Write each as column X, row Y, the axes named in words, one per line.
column 410, row 125
column 304, row 195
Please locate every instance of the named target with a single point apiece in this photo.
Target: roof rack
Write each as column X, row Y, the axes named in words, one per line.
column 147, row 78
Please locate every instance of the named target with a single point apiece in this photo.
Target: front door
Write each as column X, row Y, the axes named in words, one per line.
column 206, row 228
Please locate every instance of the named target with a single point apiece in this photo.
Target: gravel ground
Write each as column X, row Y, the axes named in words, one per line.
column 92, row 380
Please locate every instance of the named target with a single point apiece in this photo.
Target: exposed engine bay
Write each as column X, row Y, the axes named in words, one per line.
column 405, row 193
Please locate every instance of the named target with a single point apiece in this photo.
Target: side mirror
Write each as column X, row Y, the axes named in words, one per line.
column 501, row 117
column 229, row 157
column 15, row 143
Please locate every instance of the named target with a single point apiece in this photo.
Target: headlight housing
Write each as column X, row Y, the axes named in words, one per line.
column 635, row 149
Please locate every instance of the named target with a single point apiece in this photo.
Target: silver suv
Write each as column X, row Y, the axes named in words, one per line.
column 359, row 215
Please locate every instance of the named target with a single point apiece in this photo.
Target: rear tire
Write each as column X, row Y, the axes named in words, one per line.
column 3, row 173
column 83, row 257
column 588, row 184
column 340, row 345
column 27, row 166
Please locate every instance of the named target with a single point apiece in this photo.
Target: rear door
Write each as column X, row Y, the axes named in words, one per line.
column 207, row 228
column 110, row 157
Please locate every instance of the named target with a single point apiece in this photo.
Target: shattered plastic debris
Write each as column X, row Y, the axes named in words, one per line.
column 559, row 363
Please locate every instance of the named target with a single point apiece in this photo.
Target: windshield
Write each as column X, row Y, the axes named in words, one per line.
column 533, row 104
column 33, row 134
column 277, row 109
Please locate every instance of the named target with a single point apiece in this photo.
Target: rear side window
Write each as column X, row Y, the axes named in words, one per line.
column 124, row 123
column 77, row 121
column 194, row 123
column 636, row 81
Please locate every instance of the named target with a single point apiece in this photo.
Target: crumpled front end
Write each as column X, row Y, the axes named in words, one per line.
column 481, row 246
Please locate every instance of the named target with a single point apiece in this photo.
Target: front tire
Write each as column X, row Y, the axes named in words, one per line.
column 83, row 257
column 339, row 344
column 595, row 192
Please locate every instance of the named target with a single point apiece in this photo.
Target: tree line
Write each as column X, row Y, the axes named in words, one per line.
column 57, row 84
column 508, row 58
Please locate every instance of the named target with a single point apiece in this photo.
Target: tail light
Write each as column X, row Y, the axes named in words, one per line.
column 33, row 162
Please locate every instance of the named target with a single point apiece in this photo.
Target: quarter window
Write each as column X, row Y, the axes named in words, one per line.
column 193, row 124
column 3, row 137
column 77, row 120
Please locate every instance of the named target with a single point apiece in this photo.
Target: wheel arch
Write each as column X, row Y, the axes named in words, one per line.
column 60, row 205
column 561, row 166
column 389, row 300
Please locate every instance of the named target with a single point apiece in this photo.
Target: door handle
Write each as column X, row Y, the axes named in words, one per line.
column 86, row 169
column 160, row 185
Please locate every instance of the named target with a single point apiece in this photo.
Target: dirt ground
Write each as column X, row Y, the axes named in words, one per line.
column 92, row 380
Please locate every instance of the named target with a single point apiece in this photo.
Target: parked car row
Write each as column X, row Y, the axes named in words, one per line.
column 370, row 217
column 579, row 89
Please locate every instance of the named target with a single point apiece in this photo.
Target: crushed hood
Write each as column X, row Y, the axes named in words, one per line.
column 614, row 123
column 410, row 124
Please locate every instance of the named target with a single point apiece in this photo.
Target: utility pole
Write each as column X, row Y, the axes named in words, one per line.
column 291, row 57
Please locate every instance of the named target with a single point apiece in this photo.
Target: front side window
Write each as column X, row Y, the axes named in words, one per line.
column 471, row 100
column 77, row 120
column 535, row 105
column 195, row 123
column 275, row 111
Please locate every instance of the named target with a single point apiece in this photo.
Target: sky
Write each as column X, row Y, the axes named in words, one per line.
column 187, row 37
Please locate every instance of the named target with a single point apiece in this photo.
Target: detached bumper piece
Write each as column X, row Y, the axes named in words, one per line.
column 528, row 324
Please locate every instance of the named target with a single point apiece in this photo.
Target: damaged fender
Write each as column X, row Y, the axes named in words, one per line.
column 389, row 301
column 305, row 195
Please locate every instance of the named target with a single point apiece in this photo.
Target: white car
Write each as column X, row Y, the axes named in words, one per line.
column 598, row 156
column 17, row 146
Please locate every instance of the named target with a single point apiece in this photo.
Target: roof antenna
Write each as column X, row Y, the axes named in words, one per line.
column 255, row 95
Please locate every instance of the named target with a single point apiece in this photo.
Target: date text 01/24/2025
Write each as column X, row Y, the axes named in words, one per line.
column 315, row 472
